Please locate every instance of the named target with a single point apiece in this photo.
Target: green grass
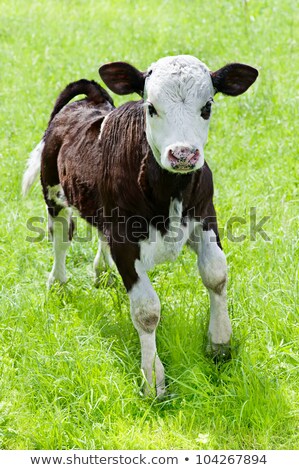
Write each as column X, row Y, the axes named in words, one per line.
column 69, row 359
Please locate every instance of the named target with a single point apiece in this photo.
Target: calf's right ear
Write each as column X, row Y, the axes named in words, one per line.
column 122, row 78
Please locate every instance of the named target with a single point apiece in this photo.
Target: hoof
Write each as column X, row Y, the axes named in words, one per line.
column 158, row 393
column 161, row 391
column 52, row 281
column 154, row 390
column 220, row 352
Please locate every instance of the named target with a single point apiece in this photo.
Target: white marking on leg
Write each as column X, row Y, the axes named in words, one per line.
column 213, row 269
column 106, row 253
column 220, row 329
column 61, row 243
column 145, row 312
column 56, row 194
column 98, row 261
column 103, row 260
column 151, row 364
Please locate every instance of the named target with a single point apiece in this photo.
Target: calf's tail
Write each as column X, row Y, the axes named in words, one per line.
column 33, row 167
column 93, row 92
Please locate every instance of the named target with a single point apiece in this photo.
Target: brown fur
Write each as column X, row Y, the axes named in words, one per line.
column 116, row 178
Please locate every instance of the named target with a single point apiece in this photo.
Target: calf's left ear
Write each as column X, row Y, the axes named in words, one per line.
column 234, row 79
column 122, row 78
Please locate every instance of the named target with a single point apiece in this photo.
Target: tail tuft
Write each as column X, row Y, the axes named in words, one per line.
column 33, row 167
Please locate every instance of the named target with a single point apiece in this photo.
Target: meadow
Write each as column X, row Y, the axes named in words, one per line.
column 69, row 358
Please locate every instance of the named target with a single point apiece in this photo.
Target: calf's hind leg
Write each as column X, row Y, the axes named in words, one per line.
column 61, row 229
column 61, row 225
column 103, row 260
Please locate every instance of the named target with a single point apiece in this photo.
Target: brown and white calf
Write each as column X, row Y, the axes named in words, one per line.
column 138, row 174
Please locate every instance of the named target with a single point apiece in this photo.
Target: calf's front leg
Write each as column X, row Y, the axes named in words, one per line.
column 145, row 312
column 213, row 270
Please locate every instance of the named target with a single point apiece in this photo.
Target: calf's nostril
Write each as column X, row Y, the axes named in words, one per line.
column 183, row 156
column 172, row 156
column 193, row 157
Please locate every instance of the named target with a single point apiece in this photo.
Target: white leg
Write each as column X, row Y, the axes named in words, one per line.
column 60, row 227
column 103, row 259
column 145, row 311
column 213, row 270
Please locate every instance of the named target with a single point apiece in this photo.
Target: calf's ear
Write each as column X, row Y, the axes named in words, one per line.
column 122, row 78
column 234, row 79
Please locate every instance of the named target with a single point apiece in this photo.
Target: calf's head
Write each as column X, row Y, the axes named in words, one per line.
column 178, row 95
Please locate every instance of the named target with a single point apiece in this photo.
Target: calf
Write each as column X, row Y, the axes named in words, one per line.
column 138, row 174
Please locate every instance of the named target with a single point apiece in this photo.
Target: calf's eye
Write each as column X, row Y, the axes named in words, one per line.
column 206, row 110
column 151, row 110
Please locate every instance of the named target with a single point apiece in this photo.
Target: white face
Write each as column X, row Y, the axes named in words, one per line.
column 178, row 95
